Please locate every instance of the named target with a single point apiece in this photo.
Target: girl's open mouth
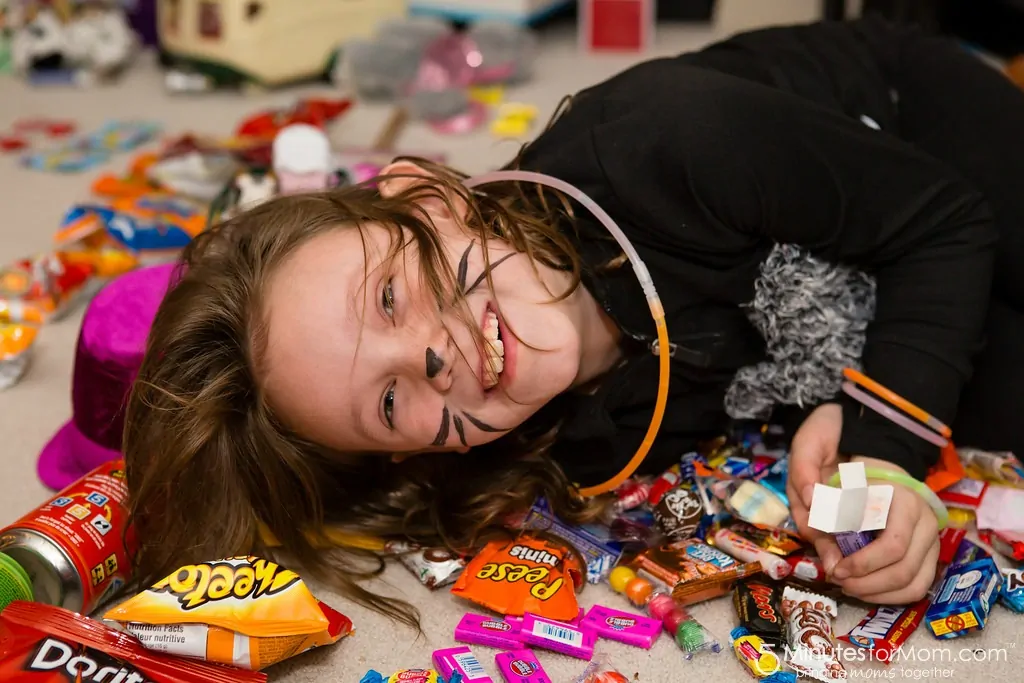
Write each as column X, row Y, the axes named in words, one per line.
column 493, row 360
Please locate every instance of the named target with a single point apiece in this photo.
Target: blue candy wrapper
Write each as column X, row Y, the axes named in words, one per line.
column 963, row 598
column 1012, row 593
column 600, row 553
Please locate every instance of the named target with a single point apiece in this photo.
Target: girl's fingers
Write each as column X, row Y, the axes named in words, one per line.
column 828, row 551
column 918, row 587
column 897, row 575
column 892, row 544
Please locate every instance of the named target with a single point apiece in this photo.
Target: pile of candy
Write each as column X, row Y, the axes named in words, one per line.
column 717, row 524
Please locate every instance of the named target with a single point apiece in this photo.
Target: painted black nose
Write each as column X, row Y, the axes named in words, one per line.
column 434, row 364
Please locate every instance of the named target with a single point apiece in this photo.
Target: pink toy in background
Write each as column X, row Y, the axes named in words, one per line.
column 616, row 25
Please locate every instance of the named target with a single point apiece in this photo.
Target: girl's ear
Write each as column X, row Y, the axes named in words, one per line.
column 400, row 176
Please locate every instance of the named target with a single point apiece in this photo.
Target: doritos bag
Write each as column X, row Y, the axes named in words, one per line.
column 201, row 609
column 527, row 574
column 44, row 644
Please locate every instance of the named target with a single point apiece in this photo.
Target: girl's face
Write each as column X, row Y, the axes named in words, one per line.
column 361, row 358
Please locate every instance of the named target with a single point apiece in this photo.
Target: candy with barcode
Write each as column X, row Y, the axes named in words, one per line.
column 885, row 628
column 527, row 574
column 574, row 641
column 623, row 627
column 462, row 661
column 520, row 666
column 479, row 629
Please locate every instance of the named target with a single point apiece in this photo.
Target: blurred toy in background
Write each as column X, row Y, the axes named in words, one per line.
column 521, row 12
column 5, row 39
column 86, row 152
column 616, row 25
column 302, row 159
column 432, row 70
column 69, row 42
column 234, row 43
column 46, row 284
column 16, row 340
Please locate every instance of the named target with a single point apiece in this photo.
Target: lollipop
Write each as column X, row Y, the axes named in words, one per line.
column 689, row 634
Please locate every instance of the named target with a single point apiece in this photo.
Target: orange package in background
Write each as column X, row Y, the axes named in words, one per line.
column 44, row 644
column 527, row 574
column 243, row 611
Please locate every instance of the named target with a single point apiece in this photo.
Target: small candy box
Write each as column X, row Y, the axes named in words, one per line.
column 964, row 597
column 558, row 636
column 623, row 627
column 1012, row 593
column 460, row 660
column 854, row 512
column 479, row 629
column 520, row 666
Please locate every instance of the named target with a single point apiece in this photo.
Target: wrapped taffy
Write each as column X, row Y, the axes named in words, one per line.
column 243, row 611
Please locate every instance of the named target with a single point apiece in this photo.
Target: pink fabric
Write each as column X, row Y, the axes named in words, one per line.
column 107, row 358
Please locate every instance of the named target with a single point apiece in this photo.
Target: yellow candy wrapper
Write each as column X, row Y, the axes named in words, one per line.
column 243, row 611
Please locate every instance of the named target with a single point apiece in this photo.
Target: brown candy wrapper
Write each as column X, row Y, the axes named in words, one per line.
column 776, row 541
column 812, row 641
column 694, row 571
column 679, row 512
column 434, row 567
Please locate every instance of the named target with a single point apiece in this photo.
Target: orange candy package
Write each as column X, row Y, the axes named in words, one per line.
column 244, row 611
column 528, row 574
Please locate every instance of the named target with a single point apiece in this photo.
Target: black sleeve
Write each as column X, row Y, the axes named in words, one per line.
column 745, row 163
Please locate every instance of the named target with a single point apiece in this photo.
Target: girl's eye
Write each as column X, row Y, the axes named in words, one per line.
column 388, row 406
column 387, row 299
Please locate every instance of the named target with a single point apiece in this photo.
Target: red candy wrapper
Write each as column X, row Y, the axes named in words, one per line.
column 1009, row 544
column 949, row 541
column 44, row 644
column 884, row 629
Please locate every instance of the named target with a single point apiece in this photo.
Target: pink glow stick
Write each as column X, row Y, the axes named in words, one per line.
column 890, row 413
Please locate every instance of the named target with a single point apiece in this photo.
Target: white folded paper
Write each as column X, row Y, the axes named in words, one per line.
column 853, row 507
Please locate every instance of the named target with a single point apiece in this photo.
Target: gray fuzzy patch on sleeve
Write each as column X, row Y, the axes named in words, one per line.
column 814, row 317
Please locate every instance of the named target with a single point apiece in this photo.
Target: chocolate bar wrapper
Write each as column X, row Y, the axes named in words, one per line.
column 774, row 540
column 963, row 599
column 850, row 542
column 434, row 567
column 1012, row 593
column 884, row 629
column 693, row 571
column 759, row 608
column 600, row 555
column 812, row 645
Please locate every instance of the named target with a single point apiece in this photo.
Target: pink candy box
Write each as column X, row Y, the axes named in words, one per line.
column 624, row 627
column 520, row 666
column 558, row 636
column 462, row 661
column 480, row 629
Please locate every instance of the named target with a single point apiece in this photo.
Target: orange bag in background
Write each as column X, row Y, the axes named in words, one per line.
column 244, row 611
column 527, row 574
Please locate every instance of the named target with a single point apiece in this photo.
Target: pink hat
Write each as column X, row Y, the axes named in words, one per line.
column 107, row 358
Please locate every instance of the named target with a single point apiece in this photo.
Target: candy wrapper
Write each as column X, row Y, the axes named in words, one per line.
column 461, row 661
column 528, row 574
column 623, row 627
column 692, row 570
column 753, row 503
column 812, row 646
column 574, row 641
column 44, row 644
column 966, row 494
column 478, row 629
column 884, row 629
column 742, row 549
column 1009, row 544
column 754, row 653
column 963, row 598
column 759, row 608
column 679, row 513
column 243, row 611
column 520, row 666
column 403, row 676
column 600, row 554
column 434, row 567
column 601, row 670
column 16, row 342
column 775, row 540
column 1012, row 593
column 998, row 466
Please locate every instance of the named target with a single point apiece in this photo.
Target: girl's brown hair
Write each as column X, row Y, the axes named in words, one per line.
column 210, row 467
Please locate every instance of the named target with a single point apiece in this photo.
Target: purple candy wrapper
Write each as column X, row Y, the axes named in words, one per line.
column 480, row 629
column 623, row 627
column 462, row 661
column 850, row 542
column 558, row 636
column 520, row 666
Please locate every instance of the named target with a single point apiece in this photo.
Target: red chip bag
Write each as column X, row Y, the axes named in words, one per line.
column 527, row 574
column 44, row 644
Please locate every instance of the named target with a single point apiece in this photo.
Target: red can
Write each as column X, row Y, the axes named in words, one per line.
column 75, row 547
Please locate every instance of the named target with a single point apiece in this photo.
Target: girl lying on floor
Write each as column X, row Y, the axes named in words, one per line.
column 419, row 359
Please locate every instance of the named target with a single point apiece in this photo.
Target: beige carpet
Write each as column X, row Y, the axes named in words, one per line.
column 32, row 204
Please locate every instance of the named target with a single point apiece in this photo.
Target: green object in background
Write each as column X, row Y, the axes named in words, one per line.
column 5, row 51
column 14, row 582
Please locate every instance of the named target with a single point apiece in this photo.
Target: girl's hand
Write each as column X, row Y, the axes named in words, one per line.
column 813, row 458
column 898, row 567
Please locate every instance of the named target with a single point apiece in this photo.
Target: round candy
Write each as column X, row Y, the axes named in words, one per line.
column 673, row 619
column 659, row 605
column 679, row 513
column 638, row 590
column 619, row 577
column 690, row 636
